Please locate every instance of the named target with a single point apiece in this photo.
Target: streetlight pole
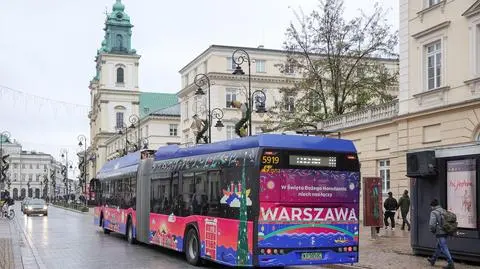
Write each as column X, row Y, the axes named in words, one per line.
column 244, row 56
column 68, row 164
column 5, row 135
column 135, row 123
column 82, row 141
column 259, row 95
column 200, row 81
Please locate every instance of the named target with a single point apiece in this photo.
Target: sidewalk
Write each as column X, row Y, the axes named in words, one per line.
column 392, row 250
column 10, row 253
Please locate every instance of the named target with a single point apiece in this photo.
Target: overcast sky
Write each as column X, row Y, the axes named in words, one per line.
column 47, row 49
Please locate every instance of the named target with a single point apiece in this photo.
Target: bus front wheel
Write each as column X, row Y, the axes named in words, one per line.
column 192, row 250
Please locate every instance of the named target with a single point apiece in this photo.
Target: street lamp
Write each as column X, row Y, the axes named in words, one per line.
column 200, row 81
column 82, row 166
column 4, row 137
column 135, row 123
column 68, row 164
column 124, row 129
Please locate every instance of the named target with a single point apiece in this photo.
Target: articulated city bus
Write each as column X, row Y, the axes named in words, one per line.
column 267, row 200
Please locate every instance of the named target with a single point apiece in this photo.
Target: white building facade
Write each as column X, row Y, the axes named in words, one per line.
column 266, row 76
column 32, row 174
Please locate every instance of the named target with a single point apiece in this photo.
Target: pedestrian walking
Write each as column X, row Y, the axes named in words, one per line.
column 436, row 227
column 390, row 206
column 404, row 206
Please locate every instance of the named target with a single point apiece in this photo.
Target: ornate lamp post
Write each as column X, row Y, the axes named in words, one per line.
column 82, row 166
column 121, row 131
column 68, row 165
column 240, row 56
column 200, row 81
column 4, row 137
column 135, row 123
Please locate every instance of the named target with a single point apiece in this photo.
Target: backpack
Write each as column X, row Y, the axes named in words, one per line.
column 449, row 222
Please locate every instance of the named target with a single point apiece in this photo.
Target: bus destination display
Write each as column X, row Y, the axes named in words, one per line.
column 321, row 161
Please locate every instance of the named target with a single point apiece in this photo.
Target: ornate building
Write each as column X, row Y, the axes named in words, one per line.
column 31, row 173
column 121, row 115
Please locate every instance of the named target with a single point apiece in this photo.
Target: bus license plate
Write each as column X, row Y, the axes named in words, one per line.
column 310, row 256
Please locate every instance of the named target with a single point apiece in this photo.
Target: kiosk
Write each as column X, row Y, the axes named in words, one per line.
column 452, row 176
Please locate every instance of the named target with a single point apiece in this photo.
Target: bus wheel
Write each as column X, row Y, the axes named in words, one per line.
column 192, row 250
column 130, row 238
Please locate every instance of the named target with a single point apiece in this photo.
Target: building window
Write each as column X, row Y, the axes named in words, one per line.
column 230, row 96
column 119, row 41
column 119, row 120
column 288, row 69
column 23, row 165
column 231, row 132
column 15, row 177
column 31, row 166
column 230, row 63
column 384, row 173
column 38, row 178
column 477, row 49
column 260, row 64
column 23, row 177
column 30, row 177
column 434, row 64
column 15, row 166
column 120, row 75
column 38, row 166
column 173, row 129
column 44, row 166
column 290, row 103
column 433, row 2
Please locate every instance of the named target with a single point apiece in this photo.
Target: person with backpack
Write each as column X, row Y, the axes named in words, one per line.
column 404, row 206
column 442, row 223
column 390, row 206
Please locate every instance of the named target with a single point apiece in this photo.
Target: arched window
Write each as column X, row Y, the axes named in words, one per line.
column 120, row 76
column 119, row 40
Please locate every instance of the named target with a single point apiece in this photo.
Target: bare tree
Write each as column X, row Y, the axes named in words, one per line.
column 342, row 63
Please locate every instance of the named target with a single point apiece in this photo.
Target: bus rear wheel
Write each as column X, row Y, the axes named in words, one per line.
column 130, row 238
column 192, row 249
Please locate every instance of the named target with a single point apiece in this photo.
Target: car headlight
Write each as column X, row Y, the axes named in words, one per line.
column 45, row 207
column 29, row 207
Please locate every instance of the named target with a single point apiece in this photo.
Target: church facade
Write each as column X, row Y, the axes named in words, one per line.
column 122, row 117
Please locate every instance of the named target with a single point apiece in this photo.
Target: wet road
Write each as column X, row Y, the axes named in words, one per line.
column 69, row 240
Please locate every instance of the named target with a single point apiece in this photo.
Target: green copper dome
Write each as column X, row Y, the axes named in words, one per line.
column 118, row 6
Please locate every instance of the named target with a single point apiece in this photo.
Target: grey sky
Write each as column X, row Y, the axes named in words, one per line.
column 47, row 49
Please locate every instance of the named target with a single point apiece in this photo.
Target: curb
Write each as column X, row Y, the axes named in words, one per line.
column 69, row 209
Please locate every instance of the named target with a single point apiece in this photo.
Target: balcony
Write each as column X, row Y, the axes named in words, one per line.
column 369, row 115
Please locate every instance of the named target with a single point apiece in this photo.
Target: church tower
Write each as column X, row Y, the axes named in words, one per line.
column 114, row 89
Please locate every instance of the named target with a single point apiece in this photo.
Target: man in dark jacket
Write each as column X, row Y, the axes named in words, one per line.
column 436, row 228
column 390, row 206
column 404, row 205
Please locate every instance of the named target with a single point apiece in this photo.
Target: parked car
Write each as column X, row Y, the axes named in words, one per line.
column 23, row 203
column 36, row 207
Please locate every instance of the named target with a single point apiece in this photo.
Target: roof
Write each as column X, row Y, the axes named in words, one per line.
column 264, row 140
column 259, row 50
column 122, row 165
column 4, row 139
column 153, row 101
column 168, row 111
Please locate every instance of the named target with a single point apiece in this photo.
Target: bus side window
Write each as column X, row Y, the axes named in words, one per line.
column 158, row 194
column 213, row 193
